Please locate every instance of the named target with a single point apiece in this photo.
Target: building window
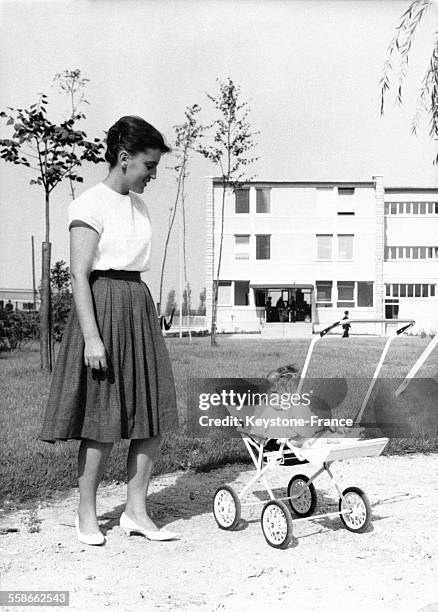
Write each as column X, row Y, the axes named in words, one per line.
column 410, row 290
column 241, row 246
column 391, row 309
column 411, row 252
column 411, row 208
column 324, row 246
column 345, row 294
column 324, row 294
column 242, row 200
column 224, row 293
column 345, row 247
column 263, row 200
column 346, row 190
column 241, row 293
column 364, row 294
column 263, row 246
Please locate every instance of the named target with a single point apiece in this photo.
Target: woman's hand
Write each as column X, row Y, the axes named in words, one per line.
column 94, row 354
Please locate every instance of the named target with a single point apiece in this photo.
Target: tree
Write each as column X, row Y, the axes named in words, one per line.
column 232, row 140
column 201, row 307
column 187, row 134
column 171, row 302
column 400, row 46
column 61, row 297
column 71, row 83
column 187, row 299
column 60, row 277
column 54, row 152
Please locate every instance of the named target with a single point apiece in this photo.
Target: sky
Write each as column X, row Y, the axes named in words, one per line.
column 309, row 70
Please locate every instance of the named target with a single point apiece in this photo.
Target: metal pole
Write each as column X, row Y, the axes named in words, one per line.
column 180, row 269
column 33, row 275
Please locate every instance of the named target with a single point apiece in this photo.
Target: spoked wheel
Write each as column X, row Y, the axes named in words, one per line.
column 226, row 507
column 277, row 524
column 305, row 504
column 358, row 515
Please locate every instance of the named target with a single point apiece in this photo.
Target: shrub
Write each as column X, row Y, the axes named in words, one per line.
column 18, row 327
column 61, row 304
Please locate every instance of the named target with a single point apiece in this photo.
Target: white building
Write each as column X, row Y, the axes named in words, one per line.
column 323, row 247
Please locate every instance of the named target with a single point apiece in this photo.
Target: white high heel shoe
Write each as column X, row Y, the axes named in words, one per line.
column 129, row 526
column 93, row 539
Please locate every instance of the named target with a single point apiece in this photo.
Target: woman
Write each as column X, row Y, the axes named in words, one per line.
column 113, row 377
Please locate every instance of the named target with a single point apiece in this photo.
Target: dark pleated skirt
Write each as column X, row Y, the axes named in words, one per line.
column 135, row 398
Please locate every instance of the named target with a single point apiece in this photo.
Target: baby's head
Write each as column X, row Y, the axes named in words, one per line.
column 283, row 376
column 287, row 371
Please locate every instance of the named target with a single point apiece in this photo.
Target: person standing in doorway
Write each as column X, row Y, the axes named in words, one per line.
column 281, row 309
column 292, row 308
column 268, row 310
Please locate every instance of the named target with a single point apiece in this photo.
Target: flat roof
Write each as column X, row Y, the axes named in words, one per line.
column 218, row 179
column 411, row 189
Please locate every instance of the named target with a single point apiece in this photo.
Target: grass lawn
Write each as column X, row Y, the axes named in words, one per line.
column 31, row 469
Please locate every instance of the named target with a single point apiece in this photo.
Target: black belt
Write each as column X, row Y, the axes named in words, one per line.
column 116, row 274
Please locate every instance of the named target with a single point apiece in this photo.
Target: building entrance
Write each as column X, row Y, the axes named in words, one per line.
column 288, row 305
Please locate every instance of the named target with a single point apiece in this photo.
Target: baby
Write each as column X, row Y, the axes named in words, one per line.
column 285, row 379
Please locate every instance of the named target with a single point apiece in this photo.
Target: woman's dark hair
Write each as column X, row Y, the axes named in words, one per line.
column 133, row 134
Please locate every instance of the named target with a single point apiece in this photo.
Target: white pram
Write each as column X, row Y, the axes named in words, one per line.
column 268, row 453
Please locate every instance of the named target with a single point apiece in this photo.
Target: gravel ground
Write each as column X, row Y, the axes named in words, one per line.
column 393, row 566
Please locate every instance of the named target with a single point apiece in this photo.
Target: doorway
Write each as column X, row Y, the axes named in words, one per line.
column 285, row 305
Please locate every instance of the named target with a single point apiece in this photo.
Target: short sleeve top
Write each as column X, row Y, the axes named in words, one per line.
column 123, row 225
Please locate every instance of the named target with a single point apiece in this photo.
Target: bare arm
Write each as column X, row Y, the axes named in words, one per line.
column 83, row 242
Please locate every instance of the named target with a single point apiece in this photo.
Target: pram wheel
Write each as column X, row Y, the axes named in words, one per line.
column 226, row 508
column 359, row 516
column 305, row 504
column 277, row 524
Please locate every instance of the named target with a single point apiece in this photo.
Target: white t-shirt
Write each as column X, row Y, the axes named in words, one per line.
column 123, row 224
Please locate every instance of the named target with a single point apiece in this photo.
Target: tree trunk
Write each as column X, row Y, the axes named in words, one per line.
column 45, row 311
column 169, row 231
column 213, row 341
column 216, row 282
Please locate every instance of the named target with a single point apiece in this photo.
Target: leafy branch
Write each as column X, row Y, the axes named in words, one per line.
column 400, row 46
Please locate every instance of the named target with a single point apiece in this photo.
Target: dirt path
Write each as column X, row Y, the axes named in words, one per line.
column 394, row 566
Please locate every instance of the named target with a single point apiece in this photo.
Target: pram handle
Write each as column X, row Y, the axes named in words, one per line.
column 325, row 331
column 410, row 323
column 406, row 327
